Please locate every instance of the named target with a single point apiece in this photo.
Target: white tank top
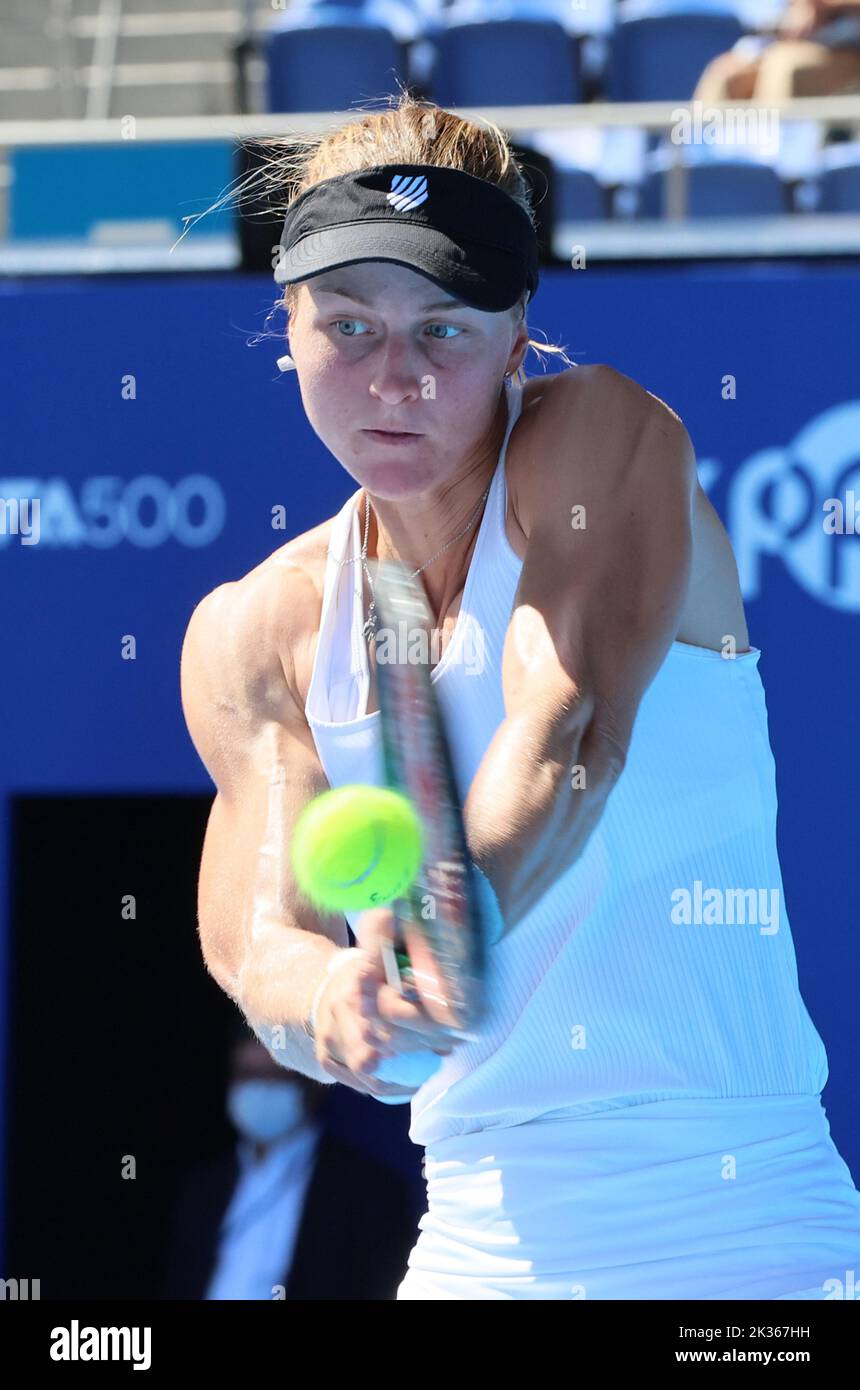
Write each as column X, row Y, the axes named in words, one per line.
column 599, row 998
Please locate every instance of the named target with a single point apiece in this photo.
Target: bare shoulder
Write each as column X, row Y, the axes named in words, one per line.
column 586, row 425
column 247, row 638
column 581, row 415
column 602, row 404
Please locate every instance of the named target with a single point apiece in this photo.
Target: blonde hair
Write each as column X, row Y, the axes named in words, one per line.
column 409, row 131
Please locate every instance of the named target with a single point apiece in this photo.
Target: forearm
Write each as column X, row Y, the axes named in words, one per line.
column 532, row 808
column 276, row 988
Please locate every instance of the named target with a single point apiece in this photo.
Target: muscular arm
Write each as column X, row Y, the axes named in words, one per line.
column 595, row 611
column 260, row 941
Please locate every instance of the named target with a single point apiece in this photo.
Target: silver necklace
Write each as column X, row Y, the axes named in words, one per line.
column 371, row 622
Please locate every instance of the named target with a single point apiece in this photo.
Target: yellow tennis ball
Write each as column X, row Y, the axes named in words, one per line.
column 356, row 847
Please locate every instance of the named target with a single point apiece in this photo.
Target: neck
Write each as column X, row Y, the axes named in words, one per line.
column 414, row 531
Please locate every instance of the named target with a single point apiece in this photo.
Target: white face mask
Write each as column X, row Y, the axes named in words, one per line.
column 265, row 1110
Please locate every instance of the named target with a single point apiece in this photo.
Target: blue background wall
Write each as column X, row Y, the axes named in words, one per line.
column 214, row 419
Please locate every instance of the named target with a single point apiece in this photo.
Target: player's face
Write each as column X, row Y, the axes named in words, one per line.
column 379, row 348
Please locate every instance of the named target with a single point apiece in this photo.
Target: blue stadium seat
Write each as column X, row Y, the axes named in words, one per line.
column 721, row 190
column 579, row 197
column 840, row 189
column 661, row 58
column 329, row 58
column 507, row 62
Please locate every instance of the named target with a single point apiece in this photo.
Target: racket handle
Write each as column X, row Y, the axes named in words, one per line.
column 405, row 1068
column 398, row 970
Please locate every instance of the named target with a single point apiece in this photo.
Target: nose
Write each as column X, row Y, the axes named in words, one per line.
column 392, row 388
column 394, row 380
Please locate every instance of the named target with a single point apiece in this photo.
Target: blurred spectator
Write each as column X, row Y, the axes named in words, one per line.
column 292, row 1205
column 813, row 51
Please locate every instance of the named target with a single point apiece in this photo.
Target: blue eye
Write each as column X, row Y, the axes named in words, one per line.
column 450, row 329
column 443, row 325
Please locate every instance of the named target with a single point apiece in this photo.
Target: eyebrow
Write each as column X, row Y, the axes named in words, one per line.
column 423, row 308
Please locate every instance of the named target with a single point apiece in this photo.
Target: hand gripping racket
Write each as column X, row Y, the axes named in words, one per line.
column 440, row 926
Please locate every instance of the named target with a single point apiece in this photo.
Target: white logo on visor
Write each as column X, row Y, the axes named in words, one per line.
column 408, row 191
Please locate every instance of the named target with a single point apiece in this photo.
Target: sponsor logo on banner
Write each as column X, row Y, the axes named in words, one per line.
column 798, row 504
column 145, row 511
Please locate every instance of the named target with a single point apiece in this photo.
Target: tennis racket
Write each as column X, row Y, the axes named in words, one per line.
column 440, row 928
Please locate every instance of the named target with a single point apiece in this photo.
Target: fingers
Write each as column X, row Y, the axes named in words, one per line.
column 426, row 974
column 367, row 1020
column 430, row 1014
column 377, row 926
column 394, row 1009
column 352, row 1050
column 397, row 1040
column 396, row 1024
column 357, row 1053
column 380, row 932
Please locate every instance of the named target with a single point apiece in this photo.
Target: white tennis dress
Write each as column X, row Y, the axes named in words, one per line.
column 641, row 1114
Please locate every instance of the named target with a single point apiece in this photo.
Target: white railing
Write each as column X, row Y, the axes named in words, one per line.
column 822, row 233
column 654, row 116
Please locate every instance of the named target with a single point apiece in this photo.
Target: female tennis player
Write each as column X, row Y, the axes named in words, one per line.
column 640, row 1115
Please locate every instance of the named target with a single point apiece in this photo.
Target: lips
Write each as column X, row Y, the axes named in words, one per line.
column 383, row 437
